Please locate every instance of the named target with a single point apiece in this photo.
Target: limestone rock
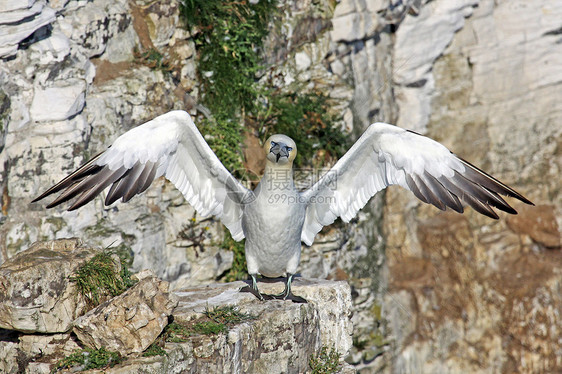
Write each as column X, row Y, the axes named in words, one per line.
column 33, row 354
column 18, row 21
column 280, row 339
column 130, row 322
column 354, row 26
column 58, row 103
column 280, row 336
column 331, row 299
column 36, row 294
column 14, row 5
column 101, row 24
column 413, row 57
column 464, row 283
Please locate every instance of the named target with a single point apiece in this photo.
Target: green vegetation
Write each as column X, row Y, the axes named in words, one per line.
column 219, row 319
column 325, row 362
column 99, row 277
column 227, row 315
column 360, row 343
column 224, row 136
column 89, row 359
column 238, row 270
column 304, row 118
column 229, row 41
column 175, row 333
column 208, row 328
column 214, row 321
column 154, row 350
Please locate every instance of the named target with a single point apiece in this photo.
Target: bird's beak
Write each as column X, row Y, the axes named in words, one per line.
column 279, row 150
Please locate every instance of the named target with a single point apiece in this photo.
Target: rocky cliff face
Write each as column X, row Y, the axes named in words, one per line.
column 432, row 291
column 50, row 322
column 471, row 294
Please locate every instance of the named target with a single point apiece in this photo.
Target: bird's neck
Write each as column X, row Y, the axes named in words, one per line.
column 279, row 173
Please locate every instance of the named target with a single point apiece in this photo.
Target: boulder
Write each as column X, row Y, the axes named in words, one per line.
column 272, row 337
column 130, row 322
column 36, row 293
column 281, row 338
column 33, row 353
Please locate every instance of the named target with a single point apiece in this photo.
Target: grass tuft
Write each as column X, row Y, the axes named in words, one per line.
column 325, row 362
column 154, row 350
column 227, row 315
column 85, row 359
column 153, row 59
column 176, row 333
column 219, row 319
column 208, row 328
column 99, row 277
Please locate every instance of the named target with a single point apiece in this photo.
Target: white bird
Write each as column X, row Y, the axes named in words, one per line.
column 276, row 217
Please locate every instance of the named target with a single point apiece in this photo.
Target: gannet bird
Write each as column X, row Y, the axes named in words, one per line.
column 276, row 217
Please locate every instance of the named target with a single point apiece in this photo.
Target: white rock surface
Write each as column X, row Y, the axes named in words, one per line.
column 332, row 301
column 36, row 292
column 419, row 41
column 58, row 103
column 18, row 21
column 492, row 94
column 14, row 5
column 130, row 322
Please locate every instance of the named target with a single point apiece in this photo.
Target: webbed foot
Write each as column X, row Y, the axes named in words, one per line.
column 287, row 294
column 253, row 289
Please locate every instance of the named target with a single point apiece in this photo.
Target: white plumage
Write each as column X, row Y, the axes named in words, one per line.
column 275, row 220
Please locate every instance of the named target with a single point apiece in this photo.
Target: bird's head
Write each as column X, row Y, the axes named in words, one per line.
column 280, row 150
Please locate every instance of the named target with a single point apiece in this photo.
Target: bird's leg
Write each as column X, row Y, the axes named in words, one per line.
column 287, row 294
column 254, row 288
column 287, row 291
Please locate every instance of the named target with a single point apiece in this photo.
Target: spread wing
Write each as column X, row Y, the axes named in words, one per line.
column 169, row 145
column 385, row 155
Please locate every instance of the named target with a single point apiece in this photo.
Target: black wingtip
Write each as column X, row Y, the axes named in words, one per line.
column 496, row 185
column 82, row 172
column 50, row 191
column 36, row 199
column 509, row 209
column 525, row 200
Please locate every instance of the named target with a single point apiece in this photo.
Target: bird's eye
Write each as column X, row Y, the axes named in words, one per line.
column 273, row 144
column 289, row 149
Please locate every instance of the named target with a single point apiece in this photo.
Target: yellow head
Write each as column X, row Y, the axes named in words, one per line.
column 280, row 150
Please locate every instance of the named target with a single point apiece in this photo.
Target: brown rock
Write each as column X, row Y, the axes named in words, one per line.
column 539, row 222
column 253, row 155
column 130, row 322
column 36, row 294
